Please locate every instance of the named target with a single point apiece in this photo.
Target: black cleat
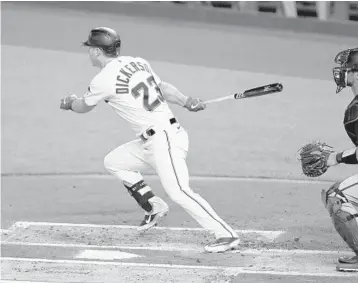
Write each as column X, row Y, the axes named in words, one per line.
column 151, row 220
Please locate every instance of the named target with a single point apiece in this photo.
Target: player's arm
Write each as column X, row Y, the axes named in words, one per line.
column 172, row 95
column 96, row 92
column 349, row 156
column 80, row 106
column 75, row 104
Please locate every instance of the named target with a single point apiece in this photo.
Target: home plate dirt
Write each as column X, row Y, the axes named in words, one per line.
column 60, row 252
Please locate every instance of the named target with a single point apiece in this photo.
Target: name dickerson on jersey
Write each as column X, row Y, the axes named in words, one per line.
column 123, row 79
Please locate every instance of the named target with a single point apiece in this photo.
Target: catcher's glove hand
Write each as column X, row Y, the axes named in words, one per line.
column 313, row 157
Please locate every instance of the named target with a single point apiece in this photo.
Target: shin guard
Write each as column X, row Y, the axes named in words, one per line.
column 141, row 192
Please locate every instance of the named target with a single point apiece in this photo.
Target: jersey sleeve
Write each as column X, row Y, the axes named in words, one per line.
column 96, row 92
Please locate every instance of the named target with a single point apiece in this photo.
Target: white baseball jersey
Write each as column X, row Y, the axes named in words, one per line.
column 129, row 85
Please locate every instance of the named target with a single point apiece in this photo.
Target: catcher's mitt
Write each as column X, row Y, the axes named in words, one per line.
column 313, row 157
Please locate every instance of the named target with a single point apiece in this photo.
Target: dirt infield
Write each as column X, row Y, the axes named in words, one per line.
column 53, row 233
column 54, row 185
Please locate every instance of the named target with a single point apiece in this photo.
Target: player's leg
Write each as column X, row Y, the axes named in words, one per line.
column 168, row 150
column 341, row 201
column 126, row 162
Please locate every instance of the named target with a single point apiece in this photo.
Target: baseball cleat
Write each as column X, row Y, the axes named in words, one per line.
column 348, row 260
column 347, row 267
column 222, row 245
column 151, row 220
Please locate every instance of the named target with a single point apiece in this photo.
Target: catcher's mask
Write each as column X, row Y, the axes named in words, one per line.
column 348, row 63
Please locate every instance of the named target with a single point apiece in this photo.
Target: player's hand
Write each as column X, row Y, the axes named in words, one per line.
column 67, row 101
column 194, row 104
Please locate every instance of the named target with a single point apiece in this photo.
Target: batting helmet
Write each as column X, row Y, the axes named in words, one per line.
column 105, row 38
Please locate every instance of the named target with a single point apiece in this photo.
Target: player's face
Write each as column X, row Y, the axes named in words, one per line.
column 352, row 81
column 350, row 78
column 94, row 54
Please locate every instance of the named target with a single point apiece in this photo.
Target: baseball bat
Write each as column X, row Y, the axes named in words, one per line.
column 252, row 92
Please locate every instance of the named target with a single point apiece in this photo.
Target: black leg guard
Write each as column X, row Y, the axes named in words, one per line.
column 141, row 193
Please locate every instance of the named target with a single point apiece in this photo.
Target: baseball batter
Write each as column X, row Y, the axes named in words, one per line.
column 130, row 86
column 341, row 200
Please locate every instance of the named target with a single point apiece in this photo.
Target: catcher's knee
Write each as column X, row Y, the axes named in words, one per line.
column 345, row 220
column 333, row 191
column 141, row 192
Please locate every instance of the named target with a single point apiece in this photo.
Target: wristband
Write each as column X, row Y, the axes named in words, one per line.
column 348, row 156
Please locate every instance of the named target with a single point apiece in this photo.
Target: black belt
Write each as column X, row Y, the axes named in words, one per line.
column 150, row 132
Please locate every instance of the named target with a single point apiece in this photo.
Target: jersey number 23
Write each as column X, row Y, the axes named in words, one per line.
column 148, row 88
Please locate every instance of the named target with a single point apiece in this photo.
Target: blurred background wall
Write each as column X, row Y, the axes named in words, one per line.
column 337, row 18
column 323, row 10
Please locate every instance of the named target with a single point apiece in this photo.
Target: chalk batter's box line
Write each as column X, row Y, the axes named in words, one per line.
column 228, row 271
column 27, row 224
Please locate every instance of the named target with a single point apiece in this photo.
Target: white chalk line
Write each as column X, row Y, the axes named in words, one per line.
column 168, row 248
column 112, row 263
column 232, row 271
column 177, row 248
column 26, row 224
column 105, row 255
column 21, row 281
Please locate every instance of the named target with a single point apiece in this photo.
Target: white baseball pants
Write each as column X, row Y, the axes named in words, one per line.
column 166, row 153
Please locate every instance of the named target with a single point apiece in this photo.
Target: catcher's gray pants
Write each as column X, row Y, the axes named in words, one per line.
column 341, row 201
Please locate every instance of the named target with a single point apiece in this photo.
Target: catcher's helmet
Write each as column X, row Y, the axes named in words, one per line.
column 105, row 38
column 348, row 61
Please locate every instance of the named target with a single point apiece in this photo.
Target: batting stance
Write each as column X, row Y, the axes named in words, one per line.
column 136, row 93
column 341, row 199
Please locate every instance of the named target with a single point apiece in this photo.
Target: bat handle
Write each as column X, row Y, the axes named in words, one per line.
column 219, row 99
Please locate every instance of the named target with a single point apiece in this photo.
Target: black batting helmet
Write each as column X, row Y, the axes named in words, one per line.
column 105, row 38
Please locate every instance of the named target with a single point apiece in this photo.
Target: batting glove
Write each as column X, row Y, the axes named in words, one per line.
column 194, row 104
column 66, row 102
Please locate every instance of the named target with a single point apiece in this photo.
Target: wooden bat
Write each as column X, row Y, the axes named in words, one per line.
column 252, row 92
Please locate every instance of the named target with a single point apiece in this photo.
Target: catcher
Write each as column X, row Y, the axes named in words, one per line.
column 341, row 199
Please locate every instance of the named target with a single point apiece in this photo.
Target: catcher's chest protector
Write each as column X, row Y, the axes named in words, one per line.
column 351, row 120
